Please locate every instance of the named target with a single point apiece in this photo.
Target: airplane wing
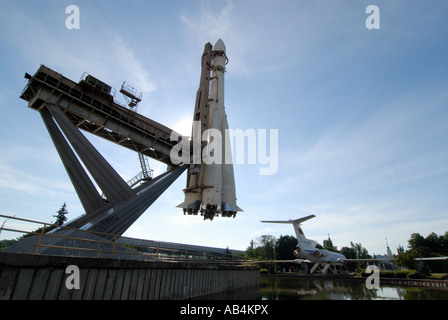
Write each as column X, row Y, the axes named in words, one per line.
column 393, row 259
column 431, row 258
column 364, row 260
column 299, row 261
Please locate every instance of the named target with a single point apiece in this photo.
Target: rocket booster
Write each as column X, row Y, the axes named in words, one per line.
column 210, row 187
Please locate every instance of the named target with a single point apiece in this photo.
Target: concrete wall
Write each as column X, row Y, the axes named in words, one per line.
column 37, row 277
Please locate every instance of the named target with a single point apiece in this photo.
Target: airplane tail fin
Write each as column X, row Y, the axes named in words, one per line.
column 296, row 224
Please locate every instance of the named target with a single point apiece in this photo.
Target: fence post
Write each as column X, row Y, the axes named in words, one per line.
column 113, row 247
column 40, row 238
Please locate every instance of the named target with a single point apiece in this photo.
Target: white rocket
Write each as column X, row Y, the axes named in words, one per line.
column 210, row 178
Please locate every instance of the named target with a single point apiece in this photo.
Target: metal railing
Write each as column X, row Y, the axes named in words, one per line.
column 119, row 246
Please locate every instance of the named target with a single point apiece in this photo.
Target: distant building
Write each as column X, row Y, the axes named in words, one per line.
column 384, row 259
column 328, row 244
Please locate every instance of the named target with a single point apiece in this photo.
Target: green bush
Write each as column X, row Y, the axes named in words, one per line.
column 423, row 268
column 264, row 271
column 415, row 275
column 387, row 274
column 402, row 273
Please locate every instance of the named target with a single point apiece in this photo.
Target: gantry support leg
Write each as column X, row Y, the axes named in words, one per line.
column 87, row 193
column 125, row 205
column 112, row 218
column 113, row 186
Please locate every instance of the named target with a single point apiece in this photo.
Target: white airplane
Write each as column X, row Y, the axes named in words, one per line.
column 306, row 248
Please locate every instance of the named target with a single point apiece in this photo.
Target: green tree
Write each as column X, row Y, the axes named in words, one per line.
column 406, row 259
column 61, row 215
column 250, row 249
column 361, row 252
column 350, row 253
column 416, row 241
column 420, row 247
column 356, row 251
column 436, row 243
column 4, row 244
column 267, row 243
column 328, row 245
column 262, row 248
column 285, row 247
column 60, row 219
column 422, row 268
column 444, row 244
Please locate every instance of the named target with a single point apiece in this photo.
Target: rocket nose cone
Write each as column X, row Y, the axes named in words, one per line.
column 220, row 46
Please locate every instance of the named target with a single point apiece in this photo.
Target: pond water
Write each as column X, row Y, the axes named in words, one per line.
column 291, row 288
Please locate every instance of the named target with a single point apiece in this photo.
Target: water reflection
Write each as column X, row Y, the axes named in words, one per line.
column 291, row 288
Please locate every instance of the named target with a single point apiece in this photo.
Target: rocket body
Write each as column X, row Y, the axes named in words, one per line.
column 211, row 183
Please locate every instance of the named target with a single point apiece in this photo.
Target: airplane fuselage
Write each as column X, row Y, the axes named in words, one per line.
column 319, row 255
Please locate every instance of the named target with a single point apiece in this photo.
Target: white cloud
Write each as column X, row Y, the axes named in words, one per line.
column 393, row 140
column 268, row 37
column 253, row 47
column 182, row 124
column 14, row 179
column 370, row 179
column 103, row 53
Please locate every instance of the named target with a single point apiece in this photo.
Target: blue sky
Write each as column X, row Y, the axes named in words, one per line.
column 362, row 114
